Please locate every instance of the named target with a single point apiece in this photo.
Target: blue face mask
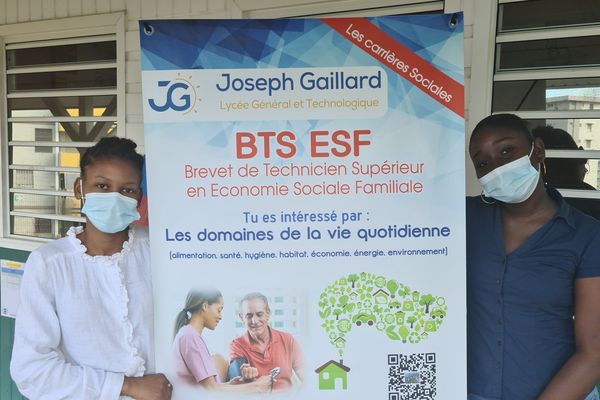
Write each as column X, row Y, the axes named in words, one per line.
column 110, row 212
column 514, row 182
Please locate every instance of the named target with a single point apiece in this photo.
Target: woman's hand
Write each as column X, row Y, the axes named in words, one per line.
column 148, row 387
column 263, row 384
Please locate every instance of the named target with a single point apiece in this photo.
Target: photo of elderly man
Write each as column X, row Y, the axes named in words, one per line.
column 264, row 350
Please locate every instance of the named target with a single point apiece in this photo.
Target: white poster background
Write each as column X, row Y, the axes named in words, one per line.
column 182, row 205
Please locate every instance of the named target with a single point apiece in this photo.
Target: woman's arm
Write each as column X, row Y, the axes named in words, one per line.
column 260, row 385
column 38, row 367
column 201, row 366
column 148, row 387
column 581, row 372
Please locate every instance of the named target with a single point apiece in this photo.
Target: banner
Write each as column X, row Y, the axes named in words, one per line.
column 306, row 205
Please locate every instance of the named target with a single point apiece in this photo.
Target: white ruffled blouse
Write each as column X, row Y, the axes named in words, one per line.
column 84, row 322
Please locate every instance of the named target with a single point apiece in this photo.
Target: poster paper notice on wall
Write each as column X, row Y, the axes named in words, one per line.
column 11, row 273
column 311, row 171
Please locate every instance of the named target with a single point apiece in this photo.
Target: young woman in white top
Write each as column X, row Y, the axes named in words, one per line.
column 84, row 326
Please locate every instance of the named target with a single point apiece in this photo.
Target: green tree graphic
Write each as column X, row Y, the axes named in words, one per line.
column 426, row 301
column 353, row 278
column 337, row 312
column 411, row 320
column 364, row 301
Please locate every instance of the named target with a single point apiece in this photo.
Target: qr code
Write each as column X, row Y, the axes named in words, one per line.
column 411, row 376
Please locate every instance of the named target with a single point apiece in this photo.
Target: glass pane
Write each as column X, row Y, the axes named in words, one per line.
column 72, row 53
column 63, row 131
column 45, row 180
column 59, row 157
column 585, row 133
column 97, row 78
column 588, row 206
column 577, row 51
column 40, row 227
column 547, row 94
column 63, row 106
column 575, row 172
column 43, row 204
column 572, row 173
column 547, row 13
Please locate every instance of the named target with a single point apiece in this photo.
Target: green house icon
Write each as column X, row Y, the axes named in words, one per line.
column 339, row 342
column 333, row 375
column 381, row 296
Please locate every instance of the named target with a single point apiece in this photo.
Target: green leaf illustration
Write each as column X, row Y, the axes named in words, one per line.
column 391, row 334
column 349, row 307
column 325, row 313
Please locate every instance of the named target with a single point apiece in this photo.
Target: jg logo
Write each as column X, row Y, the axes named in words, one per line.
column 181, row 96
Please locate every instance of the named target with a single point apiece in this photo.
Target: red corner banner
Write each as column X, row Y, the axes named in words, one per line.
column 402, row 60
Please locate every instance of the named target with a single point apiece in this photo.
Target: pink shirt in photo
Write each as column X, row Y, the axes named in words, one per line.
column 192, row 360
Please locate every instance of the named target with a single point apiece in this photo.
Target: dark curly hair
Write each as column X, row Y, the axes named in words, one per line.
column 112, row 147
column 504, row 121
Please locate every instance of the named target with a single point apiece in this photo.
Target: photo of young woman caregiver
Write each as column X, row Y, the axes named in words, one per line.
column 84, row 325
column 193, row 363
column 533, row 276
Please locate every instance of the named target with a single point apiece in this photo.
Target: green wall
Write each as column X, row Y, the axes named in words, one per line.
column 8, row 390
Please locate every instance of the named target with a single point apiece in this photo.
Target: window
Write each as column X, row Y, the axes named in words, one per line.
column 546, row 13
column 61, row 97
column 547, row 70
column 43, row 135
column 347, row 8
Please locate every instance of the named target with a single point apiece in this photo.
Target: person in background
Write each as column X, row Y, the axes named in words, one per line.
column 84, row 325
column 193, row 363
column 263, row 347
column 566, row 173
column 533, row 276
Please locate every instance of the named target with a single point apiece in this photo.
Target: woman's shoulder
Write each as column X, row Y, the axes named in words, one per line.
column 139, row 237
column 188, row 336
column 141, row 233
column 44, row 262
column 478, row 201
column 475, row 205
column 65, row 245
column 584, row 222
column 472, row 200
column 188, row 331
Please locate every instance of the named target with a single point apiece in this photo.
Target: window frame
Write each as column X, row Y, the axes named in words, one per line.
column 547, row 73
column 333, row 8
column 66, row 30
